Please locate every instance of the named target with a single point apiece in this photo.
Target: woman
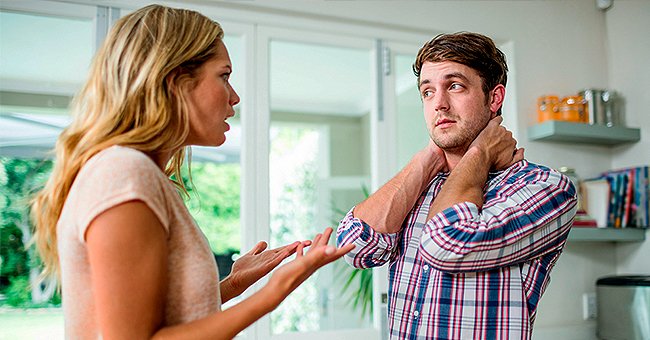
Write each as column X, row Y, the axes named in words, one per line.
column 110, row 223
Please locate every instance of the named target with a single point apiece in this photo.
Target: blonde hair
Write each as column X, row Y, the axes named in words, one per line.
column 131, row 98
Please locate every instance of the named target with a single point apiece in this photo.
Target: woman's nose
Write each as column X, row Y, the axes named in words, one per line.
column 234, row 97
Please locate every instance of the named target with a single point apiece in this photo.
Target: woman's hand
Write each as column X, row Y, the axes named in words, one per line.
column 254, row 265
column 228, row 323
column 288, row 277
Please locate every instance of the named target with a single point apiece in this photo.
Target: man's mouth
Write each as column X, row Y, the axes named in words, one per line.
column 444, row 122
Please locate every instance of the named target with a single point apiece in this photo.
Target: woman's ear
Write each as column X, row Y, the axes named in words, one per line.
column 497, row 95
column 170, row 82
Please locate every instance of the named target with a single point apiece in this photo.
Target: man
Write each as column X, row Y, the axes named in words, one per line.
column 470, row 229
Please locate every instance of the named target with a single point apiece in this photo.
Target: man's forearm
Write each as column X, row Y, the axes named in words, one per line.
column 465, row 183
column 386, row 209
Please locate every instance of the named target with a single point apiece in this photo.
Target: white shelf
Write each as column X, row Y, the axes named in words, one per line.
column 582, row 234
column 558, row 131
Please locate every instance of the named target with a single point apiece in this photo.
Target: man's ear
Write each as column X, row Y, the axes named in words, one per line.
column 496, row 98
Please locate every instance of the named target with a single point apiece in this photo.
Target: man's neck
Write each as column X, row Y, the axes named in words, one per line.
column 453, row 157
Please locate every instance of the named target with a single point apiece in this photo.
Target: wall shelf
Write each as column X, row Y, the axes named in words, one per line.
column 559, row 131
column 607, row 234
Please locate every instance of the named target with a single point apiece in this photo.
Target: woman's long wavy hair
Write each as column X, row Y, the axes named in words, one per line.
column 132, row 98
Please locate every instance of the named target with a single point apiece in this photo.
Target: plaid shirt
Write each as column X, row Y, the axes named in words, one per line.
column 466, row 273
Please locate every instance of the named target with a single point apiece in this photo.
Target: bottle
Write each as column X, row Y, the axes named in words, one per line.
column 595, row 106
column 612, row 108
column 571, row 173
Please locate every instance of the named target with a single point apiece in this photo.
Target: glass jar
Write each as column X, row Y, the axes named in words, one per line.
column 571, row 174
column 572, row 109
column 547, row 108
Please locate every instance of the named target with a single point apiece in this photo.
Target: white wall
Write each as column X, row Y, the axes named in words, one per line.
column 628, row 26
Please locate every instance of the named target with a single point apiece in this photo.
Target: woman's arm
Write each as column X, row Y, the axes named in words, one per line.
column 128, row 256
column 227, row 324
column 127, row 250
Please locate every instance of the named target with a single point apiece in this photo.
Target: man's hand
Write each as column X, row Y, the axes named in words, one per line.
column 498, row 146
column 385, row 210
column 493, row 149
column 433, row 157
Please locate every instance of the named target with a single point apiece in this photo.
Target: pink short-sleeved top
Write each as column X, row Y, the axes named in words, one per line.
column 118, row 175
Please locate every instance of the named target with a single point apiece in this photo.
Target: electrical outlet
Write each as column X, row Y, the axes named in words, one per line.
column 589, row 306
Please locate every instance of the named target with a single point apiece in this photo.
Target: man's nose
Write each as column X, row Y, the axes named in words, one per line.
column 441, row 102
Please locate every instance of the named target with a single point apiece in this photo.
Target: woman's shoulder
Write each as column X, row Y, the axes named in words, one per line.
column 121, row 168
column 119, row 162
column 114, row 176
column 118, row 156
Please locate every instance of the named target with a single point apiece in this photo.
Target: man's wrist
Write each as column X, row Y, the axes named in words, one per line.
column 429, row 162
column 479, row 156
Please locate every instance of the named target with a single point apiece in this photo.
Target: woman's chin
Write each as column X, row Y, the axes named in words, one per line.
column 220, row 142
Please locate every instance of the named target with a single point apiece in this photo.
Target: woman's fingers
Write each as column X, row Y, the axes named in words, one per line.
column 346, row 249
column 326, row 236
column 299, row 250
column 337, row 253
column 259, row 247
column 316, row 240
column 326, row 254
column 288, row 249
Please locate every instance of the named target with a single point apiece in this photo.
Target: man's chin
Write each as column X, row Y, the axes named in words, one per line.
column 450, row 146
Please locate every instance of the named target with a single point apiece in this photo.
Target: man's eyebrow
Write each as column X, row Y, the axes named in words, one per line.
column 457, row 75
column 447, row 76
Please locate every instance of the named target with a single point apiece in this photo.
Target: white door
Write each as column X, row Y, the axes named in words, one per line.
column 316, row 100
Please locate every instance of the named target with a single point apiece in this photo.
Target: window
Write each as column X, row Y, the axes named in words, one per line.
column 319, row 138
column 43, row 62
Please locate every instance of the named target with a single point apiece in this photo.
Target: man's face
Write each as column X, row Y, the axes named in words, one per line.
column 455, row 107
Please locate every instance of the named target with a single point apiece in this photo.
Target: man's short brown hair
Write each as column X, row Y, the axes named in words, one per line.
column 470, row 49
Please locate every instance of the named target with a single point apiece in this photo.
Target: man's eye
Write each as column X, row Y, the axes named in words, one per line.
column 426, row 93
column 456, row 86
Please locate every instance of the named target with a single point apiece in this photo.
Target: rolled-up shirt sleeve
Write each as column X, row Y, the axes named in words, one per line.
column 372, row 249
column 520, row 220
